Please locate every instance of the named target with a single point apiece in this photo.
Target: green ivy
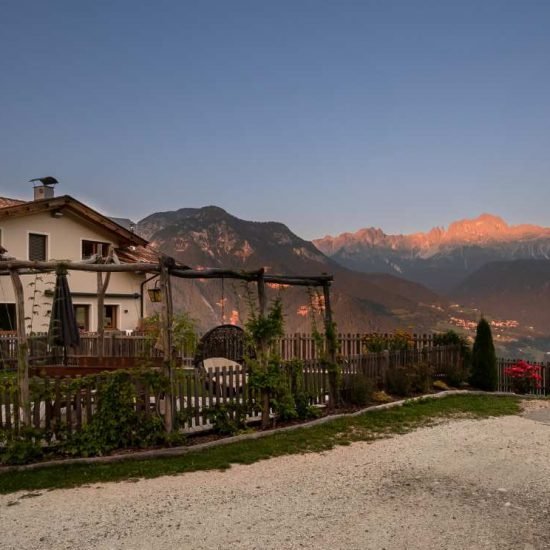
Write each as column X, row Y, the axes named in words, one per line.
column 117, row 422
column 23, row 448
column 228, row 419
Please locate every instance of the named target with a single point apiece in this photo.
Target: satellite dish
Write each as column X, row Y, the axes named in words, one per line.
column 48, row 180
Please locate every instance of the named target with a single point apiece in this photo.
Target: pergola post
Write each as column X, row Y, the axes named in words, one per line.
column 330, row 342
column 102, row 285
column 166, row 320
column 22, row 349
column 262, row 301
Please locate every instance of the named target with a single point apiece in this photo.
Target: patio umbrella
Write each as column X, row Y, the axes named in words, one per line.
column 63, row 330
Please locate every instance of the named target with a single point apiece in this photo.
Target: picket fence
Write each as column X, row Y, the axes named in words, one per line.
column 58, row 405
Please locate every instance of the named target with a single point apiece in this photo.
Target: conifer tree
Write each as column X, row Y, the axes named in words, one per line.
column 484, row 362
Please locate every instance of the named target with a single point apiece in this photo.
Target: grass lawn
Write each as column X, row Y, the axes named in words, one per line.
column 344, row 431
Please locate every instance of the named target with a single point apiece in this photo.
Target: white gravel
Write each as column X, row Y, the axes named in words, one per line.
column 463, row 484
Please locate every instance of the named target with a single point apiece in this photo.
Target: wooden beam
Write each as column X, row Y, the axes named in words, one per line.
column 215, row 273
column 8, row 265
column 292, row 280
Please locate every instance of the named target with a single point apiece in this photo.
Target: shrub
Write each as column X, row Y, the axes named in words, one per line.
column 404, row 381
column 116, row 423
column 484, row 363
column 440, row 385
column 228, row 419
column 22, row 449
column 456, row 375
column 398, row 341
column 421, row 377
column 304, row 410
column 284, row 406
column 381, row 397
column 525, row 377
column 398, row 381
column 360, row 392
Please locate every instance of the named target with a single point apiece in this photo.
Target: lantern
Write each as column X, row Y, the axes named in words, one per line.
column 155, row 293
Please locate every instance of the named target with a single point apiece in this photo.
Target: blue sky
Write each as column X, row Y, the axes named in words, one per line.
column 327, row 116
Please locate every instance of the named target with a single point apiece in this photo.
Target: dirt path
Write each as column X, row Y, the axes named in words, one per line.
column 463, row 484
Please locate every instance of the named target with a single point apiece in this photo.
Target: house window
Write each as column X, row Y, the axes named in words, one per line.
column 7, row 317
column 37, row 247
column 82, row 315
column 92, row 248
column 111, row 317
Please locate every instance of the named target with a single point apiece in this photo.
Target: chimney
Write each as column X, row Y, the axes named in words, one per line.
column 43, row 188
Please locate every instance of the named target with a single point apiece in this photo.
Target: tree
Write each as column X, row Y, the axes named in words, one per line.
column 484, row 362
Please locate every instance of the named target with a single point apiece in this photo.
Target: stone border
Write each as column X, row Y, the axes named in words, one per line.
column 183, row 450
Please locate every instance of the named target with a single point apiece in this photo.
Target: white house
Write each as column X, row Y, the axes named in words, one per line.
column 62, row 228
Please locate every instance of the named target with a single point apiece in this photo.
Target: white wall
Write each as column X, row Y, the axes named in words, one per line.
column 65, row 237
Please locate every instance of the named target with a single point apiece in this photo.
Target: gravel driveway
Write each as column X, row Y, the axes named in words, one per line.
column 461, row 484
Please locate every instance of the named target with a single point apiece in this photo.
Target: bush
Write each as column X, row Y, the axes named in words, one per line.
column 456, row 375
column 23, row 448
column 525, row 378
column 421, row 377
column 381, row 397
column 404, row 381
column 484, row 362
column 360, row 392
column 398, row 381
column 398, row 341
column 440, row 385
column 228, row 419
column 284, row 406
column 116, row 423
column 304, row 410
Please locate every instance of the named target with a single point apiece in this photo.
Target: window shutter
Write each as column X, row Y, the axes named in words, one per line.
column 37, row 247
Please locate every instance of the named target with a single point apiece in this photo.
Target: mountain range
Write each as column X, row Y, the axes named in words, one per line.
column 211, row 237
column 441, row 258
column 423, row 282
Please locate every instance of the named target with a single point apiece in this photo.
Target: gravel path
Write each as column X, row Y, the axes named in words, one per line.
column 462, row 484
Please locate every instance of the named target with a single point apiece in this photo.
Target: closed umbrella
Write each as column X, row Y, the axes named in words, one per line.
column 63, row 330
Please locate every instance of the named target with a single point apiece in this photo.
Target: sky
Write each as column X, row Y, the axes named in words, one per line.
column 328, row 116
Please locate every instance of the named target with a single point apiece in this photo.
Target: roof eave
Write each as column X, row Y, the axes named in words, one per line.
column 66, row 201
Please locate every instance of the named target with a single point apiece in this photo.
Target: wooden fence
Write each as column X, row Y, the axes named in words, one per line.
column 59, row 404
column 291, row 346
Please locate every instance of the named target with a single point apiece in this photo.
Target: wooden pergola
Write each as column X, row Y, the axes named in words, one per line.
column 166, row 268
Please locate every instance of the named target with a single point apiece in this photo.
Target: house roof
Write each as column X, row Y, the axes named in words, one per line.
column 138, row 254
column 5, row 202
column 125, row 222
column 14, row 208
